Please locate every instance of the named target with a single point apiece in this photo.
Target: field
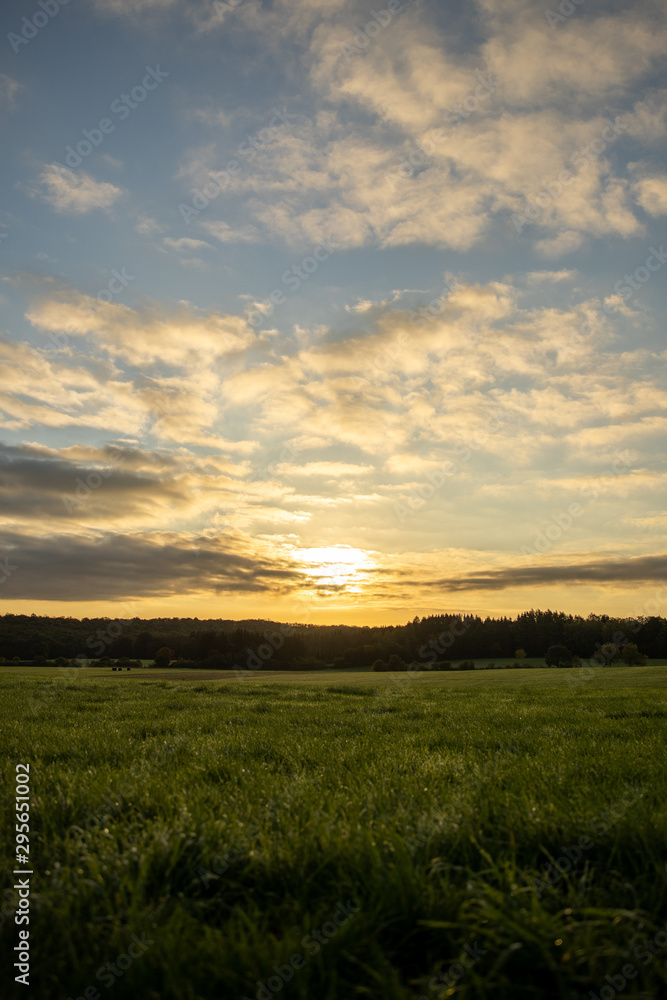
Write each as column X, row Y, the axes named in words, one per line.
column 491, row 834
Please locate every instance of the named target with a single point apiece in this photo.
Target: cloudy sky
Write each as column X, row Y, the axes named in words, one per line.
column 331, row 310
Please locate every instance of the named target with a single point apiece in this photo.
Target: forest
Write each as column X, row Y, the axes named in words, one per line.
column 226, row 644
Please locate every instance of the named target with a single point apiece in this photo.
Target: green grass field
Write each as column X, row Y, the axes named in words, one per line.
column 496, row 834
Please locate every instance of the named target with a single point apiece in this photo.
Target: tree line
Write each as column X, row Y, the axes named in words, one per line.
column 226, row 644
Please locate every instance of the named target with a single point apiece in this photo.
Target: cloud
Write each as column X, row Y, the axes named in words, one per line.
column 132, row 8
column 225, row 233
column 8, row 91
column 556, row 246
column 181, row 336
column 185, row 244
column 423, row 143
column 75, row 193
column 146, row 226
column 35, row 487
column 111, row 567
column 651, row 194
column 535, row 277
column 606, row 572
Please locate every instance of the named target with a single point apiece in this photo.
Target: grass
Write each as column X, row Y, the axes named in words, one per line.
column 227, row 821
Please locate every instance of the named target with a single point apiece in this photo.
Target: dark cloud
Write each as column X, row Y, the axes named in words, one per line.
column 116, row 567
column 601, row 571
column 38, row 486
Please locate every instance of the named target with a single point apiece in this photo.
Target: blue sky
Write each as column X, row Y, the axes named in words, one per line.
column 455, row 399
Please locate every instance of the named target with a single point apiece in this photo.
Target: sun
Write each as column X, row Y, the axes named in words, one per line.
column 336, row 566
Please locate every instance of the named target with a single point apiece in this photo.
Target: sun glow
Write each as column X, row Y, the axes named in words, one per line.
column 335, row 566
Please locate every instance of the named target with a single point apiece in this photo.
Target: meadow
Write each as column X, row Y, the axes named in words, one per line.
column 489, row 834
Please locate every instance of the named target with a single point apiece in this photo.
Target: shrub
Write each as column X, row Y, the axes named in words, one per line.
column 467, row 665
column 379, row 666
column 611, row 652
column 558, row 656
column 490, row 666
column 396, row 663
column 631, row 656
column 442, row 665
column 163, row 657
column 520, row 654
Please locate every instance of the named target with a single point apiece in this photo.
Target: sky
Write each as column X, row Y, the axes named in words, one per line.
column 332, row 311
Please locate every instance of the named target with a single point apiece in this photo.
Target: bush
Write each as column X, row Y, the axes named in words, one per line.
column 396, row 663
column 442, row 665
column 379, row 666
column 490, row 666
column 163, row 657
column 558, row 656
column 466, row 665
column 611, row 652
column 631, row 656
column 520, row 654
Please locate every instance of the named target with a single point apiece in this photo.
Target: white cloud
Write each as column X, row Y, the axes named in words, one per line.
column 556, row 246
column 651, row 194
column 179, row 337
column 185, row 244
column 535, row 277
column 146, row 226
column 225, row 233
column 75, row 193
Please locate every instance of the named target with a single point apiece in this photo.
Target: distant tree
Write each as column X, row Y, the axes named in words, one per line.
column 379, row 665
column 163, row 657
column 558, row 656
column 396, row 663
column 519, row 654
column 611, row 652
column 467, row 665
column 631, row 656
